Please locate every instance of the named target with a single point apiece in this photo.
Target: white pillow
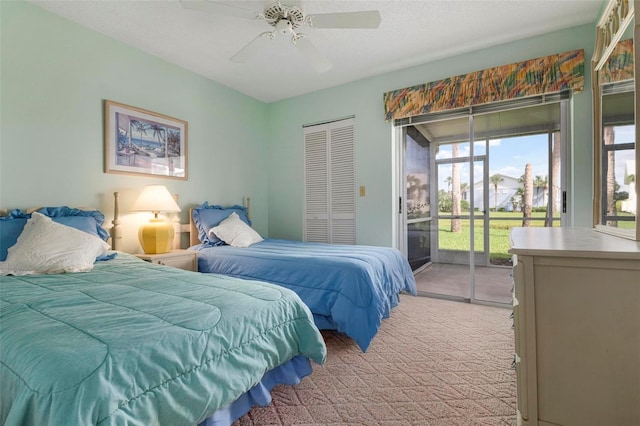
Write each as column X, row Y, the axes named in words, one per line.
column 235, row 232
column 47, row 247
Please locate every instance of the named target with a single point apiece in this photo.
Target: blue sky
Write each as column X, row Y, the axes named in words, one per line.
column 506, row 156
column 509, row 156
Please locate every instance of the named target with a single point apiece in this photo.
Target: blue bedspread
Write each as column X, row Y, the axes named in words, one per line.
column 141, row 344
column 348, row 288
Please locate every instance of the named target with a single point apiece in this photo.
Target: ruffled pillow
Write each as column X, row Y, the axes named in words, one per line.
column 85, row 220
column 47, row 247
column 235, row 232
column 207, row 216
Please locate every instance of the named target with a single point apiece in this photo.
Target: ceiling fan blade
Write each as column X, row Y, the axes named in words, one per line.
column 364, row 19
column 317, row 60
column 219, row 8
column 253, row 47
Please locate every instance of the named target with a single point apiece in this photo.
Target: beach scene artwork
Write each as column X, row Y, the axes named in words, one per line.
column 139, row 141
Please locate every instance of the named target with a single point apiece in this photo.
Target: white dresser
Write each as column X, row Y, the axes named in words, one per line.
column 577, row 327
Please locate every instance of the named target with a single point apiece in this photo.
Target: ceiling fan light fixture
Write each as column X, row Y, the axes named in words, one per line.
column 278, row 12
column 284, row 26
column 286, row 20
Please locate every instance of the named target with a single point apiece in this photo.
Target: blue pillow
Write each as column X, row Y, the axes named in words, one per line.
column 10, row 230
column 206, row 217
column 85, row 220
column 89, row 221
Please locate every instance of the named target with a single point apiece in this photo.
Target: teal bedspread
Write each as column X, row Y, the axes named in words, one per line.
column 141, row 344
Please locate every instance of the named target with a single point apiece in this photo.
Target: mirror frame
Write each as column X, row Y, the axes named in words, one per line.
column 616, row 18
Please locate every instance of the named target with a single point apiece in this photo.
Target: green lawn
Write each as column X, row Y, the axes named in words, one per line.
column 626, row 224
column 499, row 230
column 498, row 234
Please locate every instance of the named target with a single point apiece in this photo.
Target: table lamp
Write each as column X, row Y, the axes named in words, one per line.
column 157, row 236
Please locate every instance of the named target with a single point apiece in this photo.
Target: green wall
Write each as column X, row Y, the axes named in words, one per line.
column 55, row 75
column 374, row 169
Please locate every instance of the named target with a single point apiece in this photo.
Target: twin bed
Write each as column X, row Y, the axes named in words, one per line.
column 349, row 288
column 131, row 342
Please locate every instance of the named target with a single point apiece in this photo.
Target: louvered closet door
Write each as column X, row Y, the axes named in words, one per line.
column 330, row 183
column 342, row 184
column 316, row 181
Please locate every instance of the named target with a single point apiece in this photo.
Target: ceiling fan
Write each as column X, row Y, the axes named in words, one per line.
column 286, row 20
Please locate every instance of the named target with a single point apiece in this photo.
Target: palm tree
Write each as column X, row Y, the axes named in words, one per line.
column 555, row 179
column 609, row 139
column 495, row 180
column 518, row 198
column 448, row 180
column 515, row 202
column 537, row 184
column 463, row 190
column 173, row 143
column 541, row 182
column 456, row 224
column 527, row 199
column 141, row 127
column 160, row 134
column 544, row 183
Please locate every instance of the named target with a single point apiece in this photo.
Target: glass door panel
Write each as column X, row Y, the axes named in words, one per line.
column 453, row 237
column 522, row 186
column 417, row 154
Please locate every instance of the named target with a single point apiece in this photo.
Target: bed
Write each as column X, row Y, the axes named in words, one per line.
column 349, row 288
column 123, row 341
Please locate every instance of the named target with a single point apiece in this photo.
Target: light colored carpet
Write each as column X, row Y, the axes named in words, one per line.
column 434, row 362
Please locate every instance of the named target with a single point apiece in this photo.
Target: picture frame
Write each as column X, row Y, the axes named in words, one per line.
column 141, row 142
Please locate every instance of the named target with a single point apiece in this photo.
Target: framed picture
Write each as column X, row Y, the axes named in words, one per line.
column 142, row 142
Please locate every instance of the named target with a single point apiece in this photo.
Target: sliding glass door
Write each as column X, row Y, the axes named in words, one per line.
column 469, row 179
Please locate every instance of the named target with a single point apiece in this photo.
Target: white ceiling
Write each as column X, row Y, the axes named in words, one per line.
column 411, row 33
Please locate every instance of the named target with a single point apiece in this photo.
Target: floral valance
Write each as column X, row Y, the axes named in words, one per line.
column 619, row 66
column 549, row 74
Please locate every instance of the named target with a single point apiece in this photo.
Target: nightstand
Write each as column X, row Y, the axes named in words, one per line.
column 182, row 259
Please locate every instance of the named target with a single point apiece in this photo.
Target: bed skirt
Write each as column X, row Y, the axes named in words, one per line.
column 290, row 373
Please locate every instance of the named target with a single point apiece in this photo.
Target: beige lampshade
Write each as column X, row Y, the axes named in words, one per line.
column 155, row 198
column 156, row 236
